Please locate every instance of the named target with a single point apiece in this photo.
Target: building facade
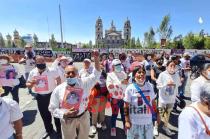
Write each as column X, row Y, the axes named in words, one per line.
column 113, row 38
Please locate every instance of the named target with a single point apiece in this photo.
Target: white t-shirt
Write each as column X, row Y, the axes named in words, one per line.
column 85, row 72
column 29, row 65
column 139, row 111
column 196, row 87
column 167, row 94
column 46, row 82
column 148, row 63
column 185, row 64
column 114, row 79
column 85, row 84
column 190, row 124
column 9, row 112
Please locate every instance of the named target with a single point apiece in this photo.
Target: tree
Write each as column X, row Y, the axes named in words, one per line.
column 35, row 40
column 149, row 38
column 138, row 43
column 9, row 40
column 2, row 43
column 133, row 43
column 90, row 44
column 23, row 43
column 178, row 42
column 207, row 43
column 165, row 29
column 53, row 42
column 192, row 41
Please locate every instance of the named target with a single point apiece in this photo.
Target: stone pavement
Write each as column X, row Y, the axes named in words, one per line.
column 34, row 128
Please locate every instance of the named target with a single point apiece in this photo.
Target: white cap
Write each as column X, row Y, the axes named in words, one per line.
column 116, row 62
column 86, row 59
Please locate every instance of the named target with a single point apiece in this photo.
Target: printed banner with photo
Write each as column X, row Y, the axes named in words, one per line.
column 7, row 75
column 41, row 83
column 72, row 98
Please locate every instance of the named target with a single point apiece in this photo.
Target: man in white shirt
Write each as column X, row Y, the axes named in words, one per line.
column 60, row 64
column 10, row 119
column 49, row 79
column 28, row 61
column 74, row 116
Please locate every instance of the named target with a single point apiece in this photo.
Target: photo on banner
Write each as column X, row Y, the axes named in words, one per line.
column 72, row 98
column 41, row 83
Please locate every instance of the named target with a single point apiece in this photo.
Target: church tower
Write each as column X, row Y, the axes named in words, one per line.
column 127, row 30
column 99, row 31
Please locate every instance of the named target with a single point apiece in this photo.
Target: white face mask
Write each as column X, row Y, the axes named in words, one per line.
column 139, row 82
column 3, row 61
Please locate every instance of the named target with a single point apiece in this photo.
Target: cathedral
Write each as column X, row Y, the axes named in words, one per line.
column 113, row 38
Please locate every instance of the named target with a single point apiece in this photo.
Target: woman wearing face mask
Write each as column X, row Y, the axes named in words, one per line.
column 167, row 83
column 116, row 83
column 198, row 83
column 138, row 119
column 194, row 121
column 9, row 83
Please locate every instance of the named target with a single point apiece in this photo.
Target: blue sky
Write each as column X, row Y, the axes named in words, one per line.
column 79, row 16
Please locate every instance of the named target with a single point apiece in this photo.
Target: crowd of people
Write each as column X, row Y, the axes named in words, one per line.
column 144, row 88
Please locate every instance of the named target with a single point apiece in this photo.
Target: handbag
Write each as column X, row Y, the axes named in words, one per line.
column 154, row 114
column 22, row 82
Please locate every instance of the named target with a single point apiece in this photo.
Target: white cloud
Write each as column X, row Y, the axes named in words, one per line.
column 200, row 20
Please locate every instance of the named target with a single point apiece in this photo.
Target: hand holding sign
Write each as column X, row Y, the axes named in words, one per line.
column 71, row 113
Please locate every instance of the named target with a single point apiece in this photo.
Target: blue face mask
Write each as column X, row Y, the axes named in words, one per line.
column 118, row 68
column 71, row 81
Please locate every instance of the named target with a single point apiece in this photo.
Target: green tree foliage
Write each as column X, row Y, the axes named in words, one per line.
column 53, row 42
column 149, row 38
column 192, row 41
column 165, row 29
column 2, row 43
column 178, row 42
column 23, row 43
column 138, row 43
column 9, row 41
column 133, row 43
column 207, row 43
column 35, row 40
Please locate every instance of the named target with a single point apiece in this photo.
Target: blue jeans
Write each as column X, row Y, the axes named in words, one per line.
column 117, row 104
column 181, row 88
column 29, row 90
column 11, row 137
column 140, row 132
